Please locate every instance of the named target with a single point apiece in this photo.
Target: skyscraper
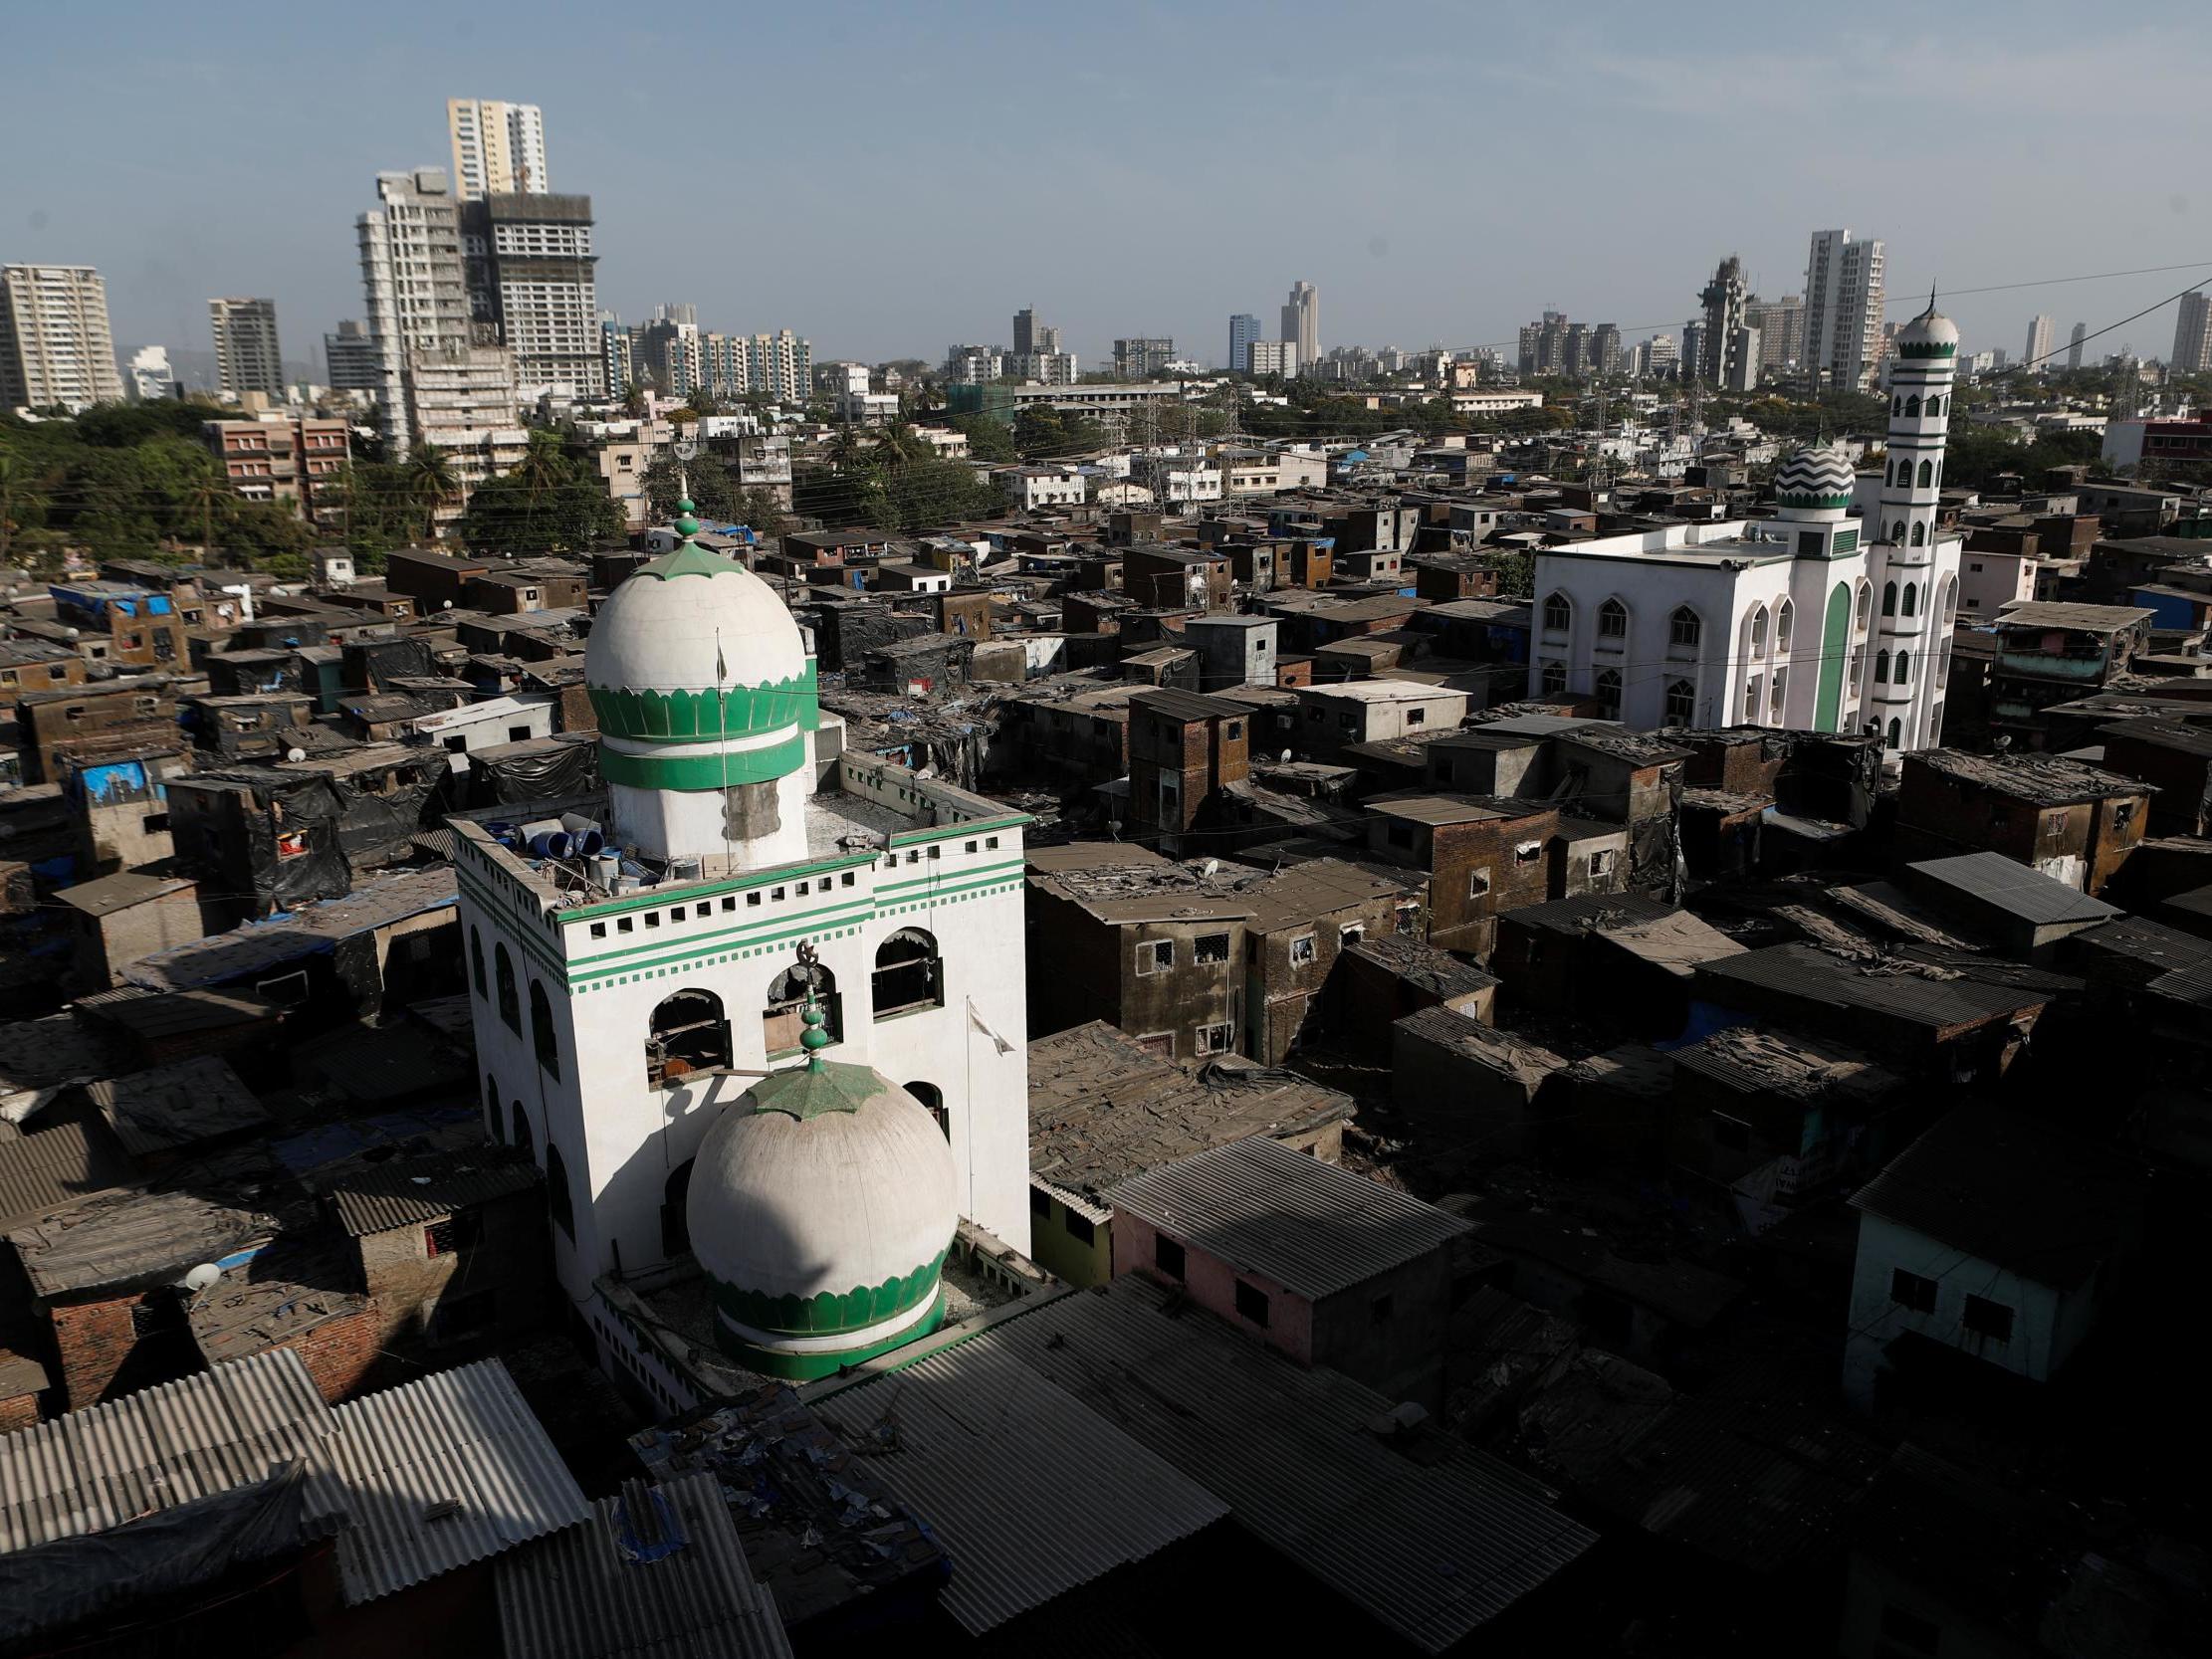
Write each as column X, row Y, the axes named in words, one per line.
column 1143, row 356
column 1843, row 307
column 247, row 359
column 1301, row 323
column 1723, row 299
column 151, row 379
column 54, row 342
column 530, row 264
column 498, row 148
column 2040, row 331
column 1244, row 329
column 1024, row 331
column 2073, row 345
column 1605, row 349
column 2192, row 336
column 435, row 383
column 349, row 358
column 1781, row 326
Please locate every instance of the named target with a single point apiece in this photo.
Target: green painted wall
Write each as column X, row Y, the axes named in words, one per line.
column 1835, row 654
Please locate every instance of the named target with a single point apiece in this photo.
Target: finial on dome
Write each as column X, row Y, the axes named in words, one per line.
column 686, row 526
column 813, row 1039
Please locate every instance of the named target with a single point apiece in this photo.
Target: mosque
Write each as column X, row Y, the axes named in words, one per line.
column 1817, row 619
column 756, row 1008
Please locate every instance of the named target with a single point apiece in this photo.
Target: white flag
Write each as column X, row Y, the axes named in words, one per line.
column 977, row 1020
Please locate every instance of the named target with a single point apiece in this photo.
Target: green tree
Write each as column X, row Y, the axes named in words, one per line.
column 22, row 502
column 988, row 440
column 430, row 481
column 548, row 502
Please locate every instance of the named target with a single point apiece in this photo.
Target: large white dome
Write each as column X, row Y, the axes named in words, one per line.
column 664, row 628
column 822, row 1207
column 1930, row 335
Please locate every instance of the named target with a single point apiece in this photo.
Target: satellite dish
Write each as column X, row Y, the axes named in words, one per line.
column 294, row 754
column 686, row 449
column 200, row 1278
column 445, row 604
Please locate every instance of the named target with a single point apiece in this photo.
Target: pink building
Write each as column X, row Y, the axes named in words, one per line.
column 1324, row 1265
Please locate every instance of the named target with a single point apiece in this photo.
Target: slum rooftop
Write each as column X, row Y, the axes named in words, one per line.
column 2042, row 780
column 1103, row 1108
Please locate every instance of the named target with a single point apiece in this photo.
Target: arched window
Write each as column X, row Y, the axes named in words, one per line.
column 1912, row 598
column 687, row 1033
column 1681, row 703
column 1897, row 733
column 1904, row 473
column 1903, row 675
column 1612, row 620
column 1928, row 473
column 1882, row 668
column 475, row 962
column 542, row 1035
column 1758, row 631
column 1554, row 678
column 1608, row 689
column 561, row 1203
column 676, row 1211
column 491, row 1105
column 1896, row 533
column 932, row 1101
column 1920, row 533
column 1784, row 620
column 780, row 1021
column 1912, row 407
column 1889, row 598
column 1935, row 406
column 510, row 1005
column 1950, row 602
column 1897, row 404
column 523, row 1137
column 1866, row 603
column 908, row 975
column 1559, row 614
column 1684, row 628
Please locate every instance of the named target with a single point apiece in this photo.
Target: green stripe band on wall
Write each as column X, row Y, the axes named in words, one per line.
column 692, row 717
column 702, row 772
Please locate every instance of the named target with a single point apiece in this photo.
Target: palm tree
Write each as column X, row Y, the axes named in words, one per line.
column 430, row 479
column 19, row 497
column 202, row 502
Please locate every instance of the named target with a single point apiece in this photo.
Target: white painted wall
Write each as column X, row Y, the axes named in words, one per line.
column 2047, row 1324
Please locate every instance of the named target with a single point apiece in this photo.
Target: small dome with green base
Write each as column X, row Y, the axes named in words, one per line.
column 1816, row 476
column 822, row 1205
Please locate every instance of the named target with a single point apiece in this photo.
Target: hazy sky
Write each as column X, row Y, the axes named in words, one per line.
column 887, row 180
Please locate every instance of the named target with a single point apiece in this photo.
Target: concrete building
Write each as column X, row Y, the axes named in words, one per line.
column 247, row 356
column 1743, row 358
column 2074, row 344
column 1301, row 323
column 56, row 349
column 1781, row 326
column 1141, row 356
column 1262, row 357
column 804, row 904
column 2192, row 335
column 2041, row 329
column 1044, row 368
column 530, row 268
column 1243, row 330
column 150, row 378
column 499, row 148
column 350, row 360
column 1991, row 1235
column 1723, row 299
column 1843, row 307
column 278, row 459
column 1775, row 622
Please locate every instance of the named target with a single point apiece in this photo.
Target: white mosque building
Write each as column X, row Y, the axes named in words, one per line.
column 776, row 1026
column 1813, row 620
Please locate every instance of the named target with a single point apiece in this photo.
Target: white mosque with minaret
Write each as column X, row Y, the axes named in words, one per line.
column 758, row 1006
column 1814, row 620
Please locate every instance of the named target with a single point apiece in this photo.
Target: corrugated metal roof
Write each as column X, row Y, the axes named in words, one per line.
column 657, row 1572
column 2016, row 888
column 1309, row 1227
column 439, row 1473
column 175, row 1105
column 153, row 1450
column 2005, row 1189
column 1894, row 986
column 1429, row 1549
column 374, row 1197
column 986, row 1449
column 42, row 1171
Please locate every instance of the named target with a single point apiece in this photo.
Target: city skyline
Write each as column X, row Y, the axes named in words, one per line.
column 167, row 223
